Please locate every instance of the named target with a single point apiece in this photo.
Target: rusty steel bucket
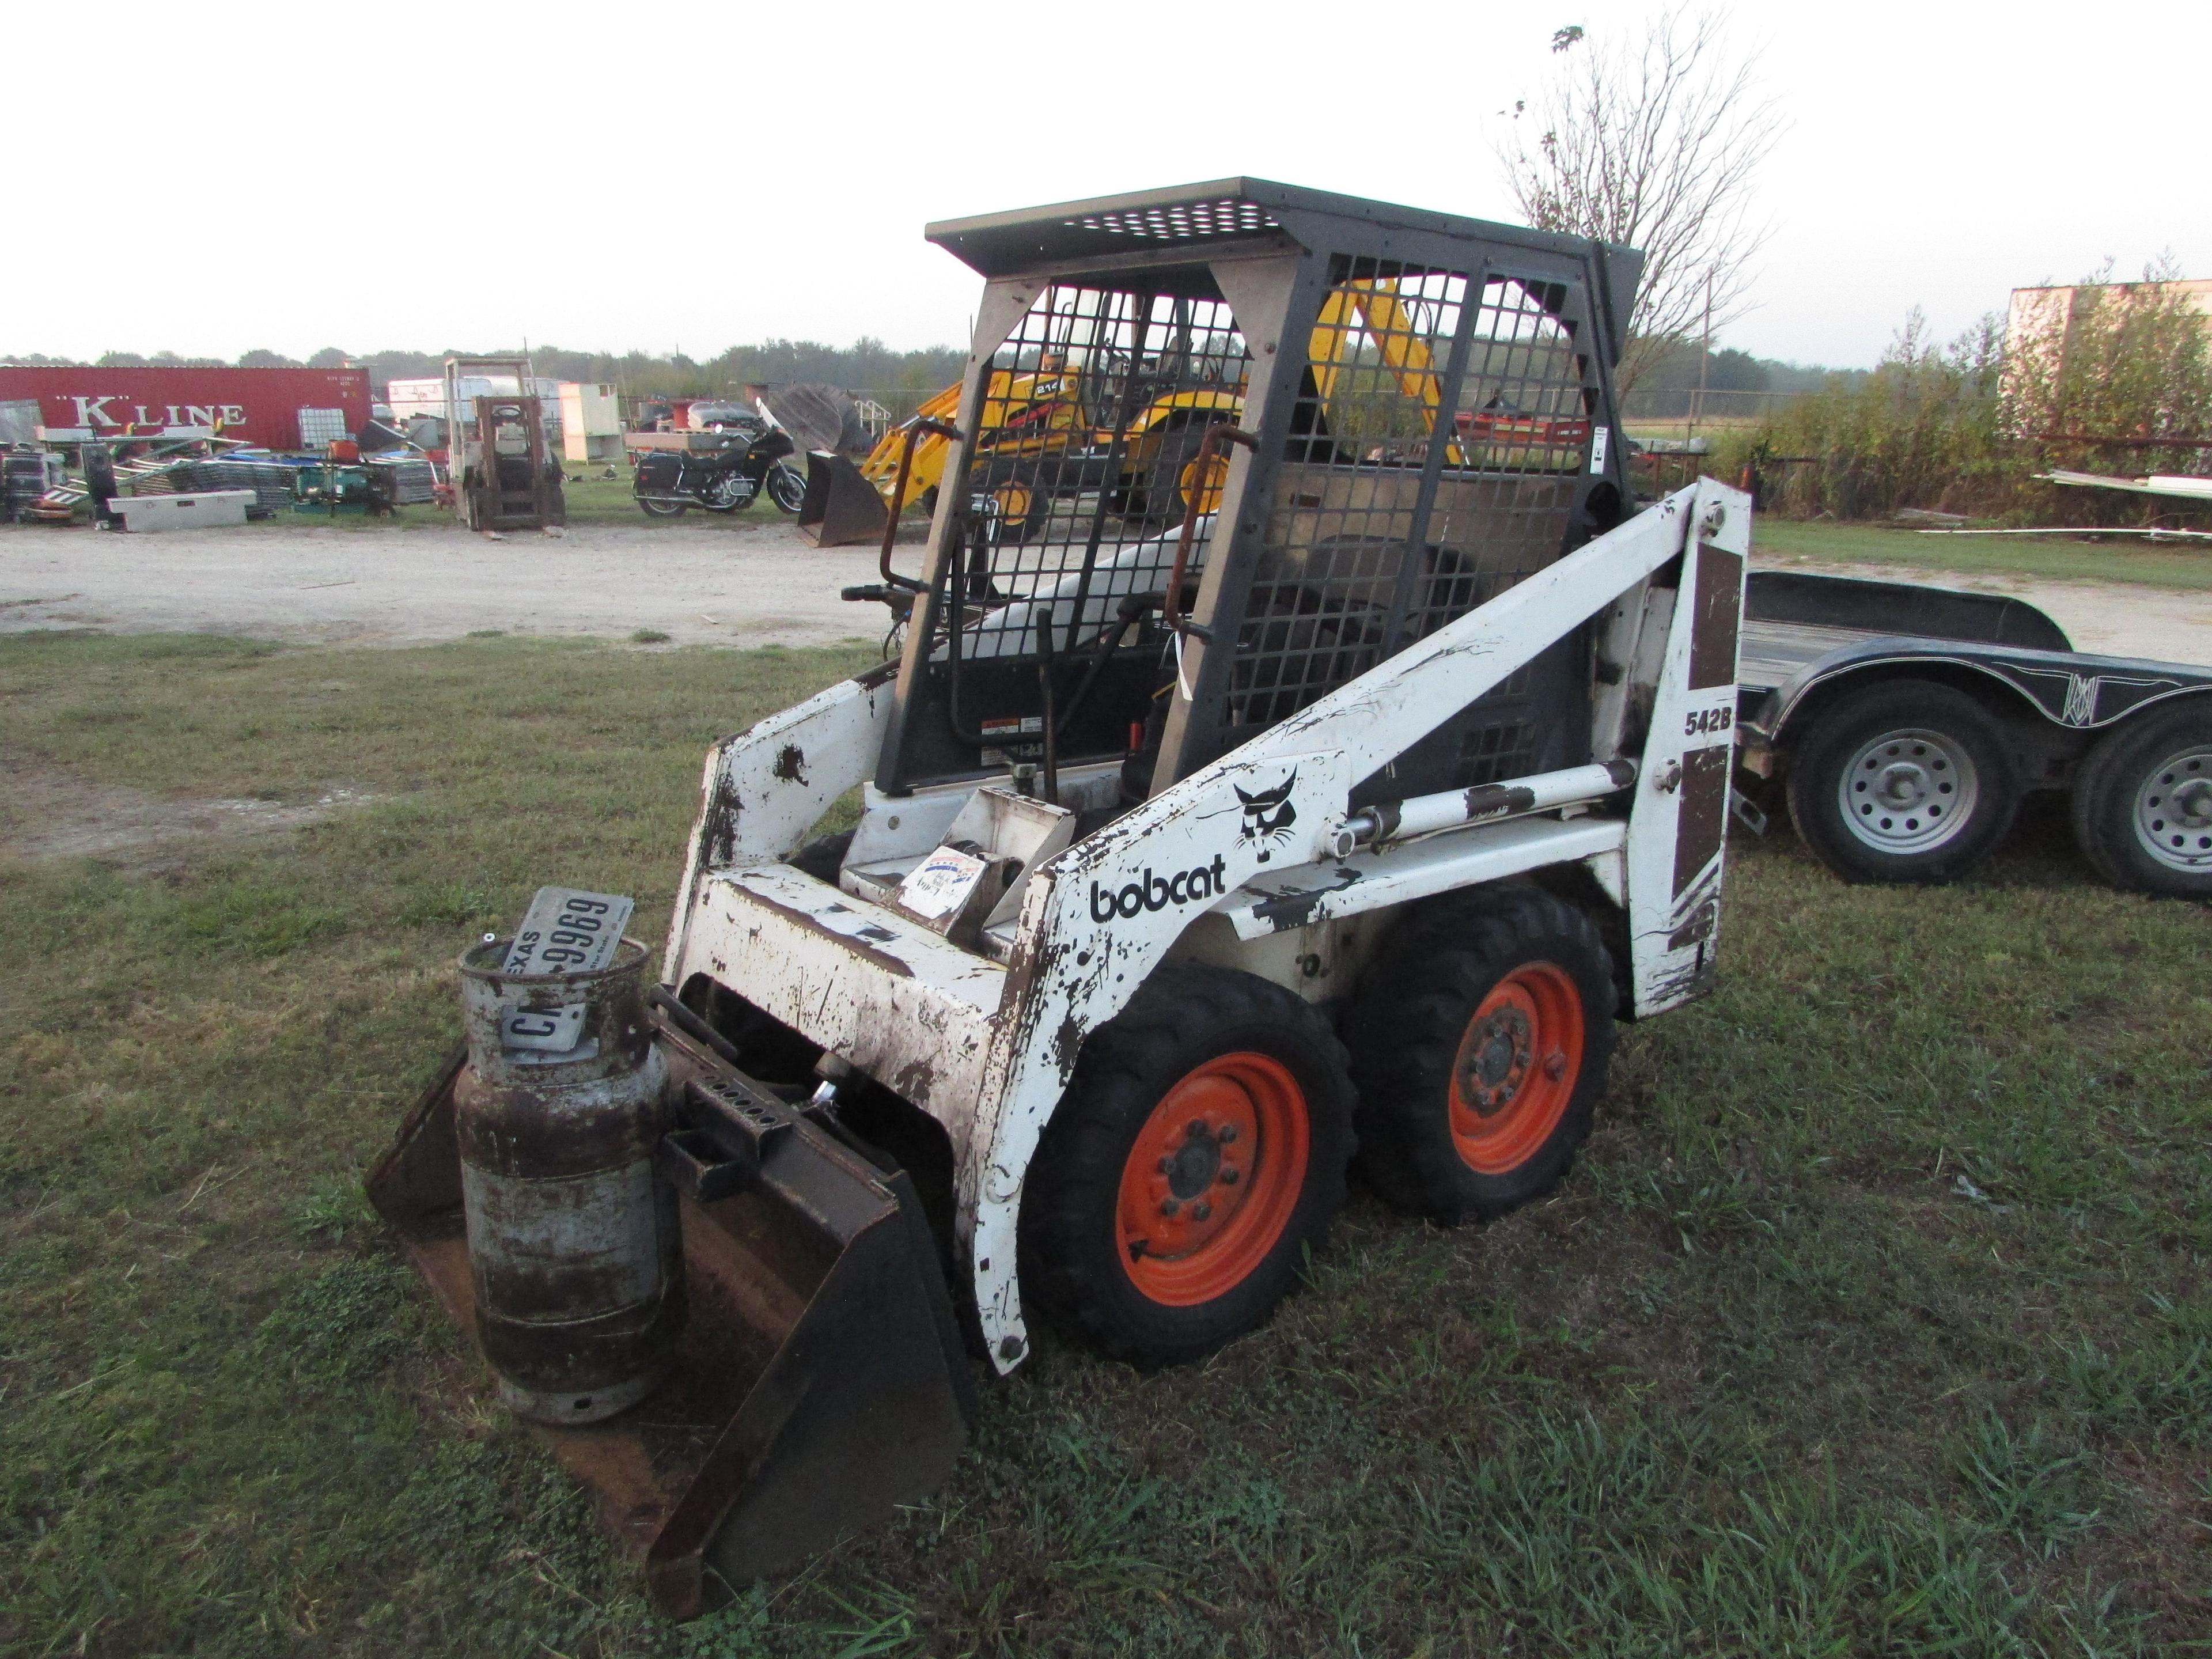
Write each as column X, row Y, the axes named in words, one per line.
column 819, row 1380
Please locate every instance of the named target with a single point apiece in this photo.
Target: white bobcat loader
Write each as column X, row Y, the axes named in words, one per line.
column 1196, row 864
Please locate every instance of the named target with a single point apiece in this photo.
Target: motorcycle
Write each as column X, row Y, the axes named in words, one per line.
column 750, row 462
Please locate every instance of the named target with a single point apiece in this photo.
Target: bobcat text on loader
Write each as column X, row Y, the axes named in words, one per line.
column 1195, row 865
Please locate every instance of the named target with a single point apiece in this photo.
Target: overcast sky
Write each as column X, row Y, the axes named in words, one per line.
column 697, row 176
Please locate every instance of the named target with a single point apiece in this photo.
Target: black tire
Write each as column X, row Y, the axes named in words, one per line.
column 1186, row 1044
column 1931, row 776
column 1505, row 978
column 1164, row 498
column 662, row 510
column 786, row 485
column 824, row 857
column 1153, row 497
column 2143, row 803
column 1010, row 493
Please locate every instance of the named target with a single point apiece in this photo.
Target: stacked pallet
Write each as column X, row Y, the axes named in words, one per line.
column 410, row 477
column 270, row 481
column 24, row 476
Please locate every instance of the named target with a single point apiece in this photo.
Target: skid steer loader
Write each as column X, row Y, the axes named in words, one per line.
column 1191, row 868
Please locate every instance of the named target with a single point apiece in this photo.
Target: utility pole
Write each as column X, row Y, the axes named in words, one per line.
column 1704, row 356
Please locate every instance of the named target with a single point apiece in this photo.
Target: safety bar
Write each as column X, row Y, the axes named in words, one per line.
column 1200, row 465
column 911, row 430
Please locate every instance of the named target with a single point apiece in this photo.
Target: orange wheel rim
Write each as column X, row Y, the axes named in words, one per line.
column 1014, row 503
column 1212, row 1180
column 1516, row 1067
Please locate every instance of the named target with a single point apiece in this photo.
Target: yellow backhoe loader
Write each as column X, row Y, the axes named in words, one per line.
column 1082, row 422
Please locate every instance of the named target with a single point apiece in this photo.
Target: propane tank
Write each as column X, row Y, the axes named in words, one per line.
column 576, row 1249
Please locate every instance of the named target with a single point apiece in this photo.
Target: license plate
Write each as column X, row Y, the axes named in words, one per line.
column 565, row 931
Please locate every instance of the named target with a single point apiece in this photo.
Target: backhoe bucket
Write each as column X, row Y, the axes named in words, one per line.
column 821, row 1381
column 841, row 506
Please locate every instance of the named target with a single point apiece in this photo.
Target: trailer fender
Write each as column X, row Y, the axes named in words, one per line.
column 2062, row 690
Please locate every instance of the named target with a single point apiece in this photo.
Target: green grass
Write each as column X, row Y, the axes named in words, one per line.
column 1783, row 541
column 1874, row 1319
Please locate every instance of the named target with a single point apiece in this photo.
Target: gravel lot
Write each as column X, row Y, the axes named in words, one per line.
column 754, row 583
column 757, row 585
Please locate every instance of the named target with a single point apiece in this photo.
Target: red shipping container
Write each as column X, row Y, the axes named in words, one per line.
column 258, row 405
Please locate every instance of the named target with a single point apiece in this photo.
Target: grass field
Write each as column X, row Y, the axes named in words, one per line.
column 2058, row 558
column 1875, row 1319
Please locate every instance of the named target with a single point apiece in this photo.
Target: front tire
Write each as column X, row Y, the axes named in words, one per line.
column 2142, row 804
column 1904, row 780
column 1198, row 1154
column 787, row 487
column 1479, row 1048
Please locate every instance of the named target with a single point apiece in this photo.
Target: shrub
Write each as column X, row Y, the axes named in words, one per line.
column 1965, row 428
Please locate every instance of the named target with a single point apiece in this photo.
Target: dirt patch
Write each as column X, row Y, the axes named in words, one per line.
column 51, row 815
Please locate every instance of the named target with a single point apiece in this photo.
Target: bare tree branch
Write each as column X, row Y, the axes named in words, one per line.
column 1655, row 143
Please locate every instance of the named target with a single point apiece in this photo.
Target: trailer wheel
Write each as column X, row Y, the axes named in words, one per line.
column 1480, row 1050
column 1906, row 781
column 1198, row 1154
column 2142, row 806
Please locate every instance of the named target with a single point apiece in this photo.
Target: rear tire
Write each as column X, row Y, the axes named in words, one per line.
column 824, row 858
column 1905, row 781
column 1197, row 1156
column 2143, row 803
column 1020, row 508
column 662, row 510
column 1480, row 1047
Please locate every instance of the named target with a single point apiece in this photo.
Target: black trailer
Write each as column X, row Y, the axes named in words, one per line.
column 1902, row 726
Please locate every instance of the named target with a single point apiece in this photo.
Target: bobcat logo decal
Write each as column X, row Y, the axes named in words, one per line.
column 1268, row 815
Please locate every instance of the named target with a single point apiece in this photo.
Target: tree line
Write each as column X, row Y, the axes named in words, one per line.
column 867, row 365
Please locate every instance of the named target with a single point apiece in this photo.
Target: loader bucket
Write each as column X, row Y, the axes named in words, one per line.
column 821, row 1381
column 841, row 506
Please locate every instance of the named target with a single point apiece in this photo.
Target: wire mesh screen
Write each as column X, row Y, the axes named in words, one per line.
column 1435, row 450
column 1520, row 436
column 1076, row 482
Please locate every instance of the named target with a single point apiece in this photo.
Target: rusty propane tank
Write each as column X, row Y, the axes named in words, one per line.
column 575, row 1247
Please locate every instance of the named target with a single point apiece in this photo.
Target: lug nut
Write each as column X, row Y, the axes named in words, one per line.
column 1194, row 1128
column 1167, row 1165
column 1169, row 1206
column 1227, row 1134
column 1200, row 1211
column 1229, row 1175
